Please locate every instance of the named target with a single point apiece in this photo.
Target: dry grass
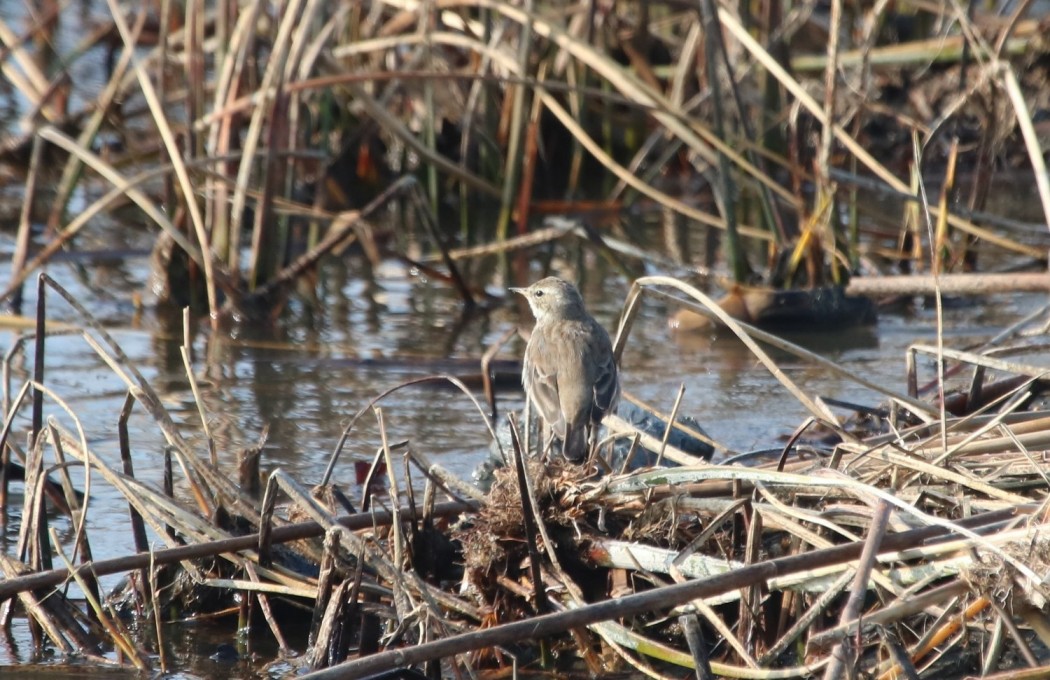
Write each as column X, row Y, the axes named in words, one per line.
column 915, row 542
column 245, row 128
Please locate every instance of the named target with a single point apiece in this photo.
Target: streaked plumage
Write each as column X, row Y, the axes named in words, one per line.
column 569, row 373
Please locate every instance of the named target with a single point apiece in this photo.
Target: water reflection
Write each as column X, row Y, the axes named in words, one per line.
column 307, row 376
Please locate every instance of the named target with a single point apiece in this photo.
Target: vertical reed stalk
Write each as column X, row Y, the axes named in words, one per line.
column 272, row 85
column 941, row 246
column 77, row 513
column 427, row 21
column 735, row 255
column 25, row 221
column 512, row 162
column 825, row 195
column 138, row 527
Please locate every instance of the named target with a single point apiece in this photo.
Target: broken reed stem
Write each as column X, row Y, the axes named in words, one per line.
column 38, row 361
column 531, row 519
column 750, row 598
column 627, row 606
column 334, row 458
column 1016, row 634
column 401, row 549
column 694, row 637
column 865, row 565
column 186, row 351
column 284, row 534
column 115, row 630
column 78, row 514
column 941, row 634
column 32, row 535
column 138, row 527
column 803, row 622
column 893, row 612
column 325, row 581
column 12, row 571
column 18, row 260
column 264, row 604
column 329, row 634
column 670, row 424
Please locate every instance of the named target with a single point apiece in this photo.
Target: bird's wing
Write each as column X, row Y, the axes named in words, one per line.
column 541, row 385
column 606, row 377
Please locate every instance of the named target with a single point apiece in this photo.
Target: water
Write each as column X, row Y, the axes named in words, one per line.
column 306, row 378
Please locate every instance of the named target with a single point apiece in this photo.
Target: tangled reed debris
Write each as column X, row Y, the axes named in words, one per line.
column 910, row 546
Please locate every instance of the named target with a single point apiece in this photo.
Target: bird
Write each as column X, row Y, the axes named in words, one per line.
column 569, row 371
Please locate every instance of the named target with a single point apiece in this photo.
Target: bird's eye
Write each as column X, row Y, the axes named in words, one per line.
column 539, row 293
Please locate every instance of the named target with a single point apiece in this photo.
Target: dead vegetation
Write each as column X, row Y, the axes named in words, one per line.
column 906, row 542
column 230, row 124
column 915, row 544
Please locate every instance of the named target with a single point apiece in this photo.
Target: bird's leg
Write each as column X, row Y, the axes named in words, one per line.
column 548, row 448
column 592, row 440
column 592, row 451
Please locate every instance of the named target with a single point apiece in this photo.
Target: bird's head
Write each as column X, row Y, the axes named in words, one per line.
column 553, row 298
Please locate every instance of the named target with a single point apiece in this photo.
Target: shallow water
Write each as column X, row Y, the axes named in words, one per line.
column 307, row 377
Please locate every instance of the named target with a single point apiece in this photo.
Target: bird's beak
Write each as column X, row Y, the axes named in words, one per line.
column 519, row 291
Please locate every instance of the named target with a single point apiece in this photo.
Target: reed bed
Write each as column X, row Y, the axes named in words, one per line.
column 897, row 544
column 904, row 541
column 255, row 141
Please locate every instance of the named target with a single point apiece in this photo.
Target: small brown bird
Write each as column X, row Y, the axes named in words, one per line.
column 569, row 372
